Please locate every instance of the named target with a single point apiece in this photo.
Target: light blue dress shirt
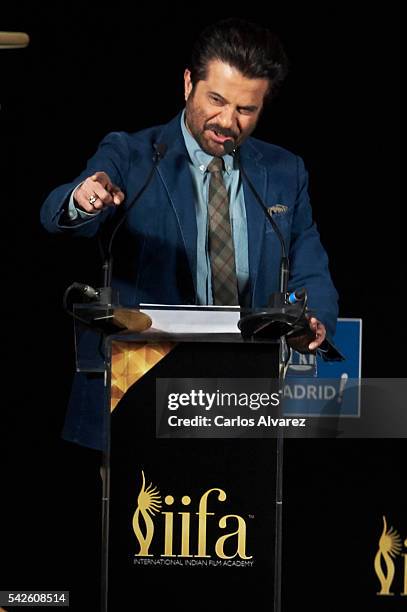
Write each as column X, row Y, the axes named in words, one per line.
column 199, row 161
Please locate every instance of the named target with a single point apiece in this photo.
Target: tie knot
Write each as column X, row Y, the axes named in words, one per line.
column 216, row 165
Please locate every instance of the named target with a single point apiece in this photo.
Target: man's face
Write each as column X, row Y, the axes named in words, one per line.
column 226, row 105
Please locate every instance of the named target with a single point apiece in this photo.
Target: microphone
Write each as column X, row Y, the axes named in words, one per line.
column 86, row 290
column 286, row 312
column 285, row 315
column 105, row 292
column 230, row 149
column 102, row 296
column 298, row 295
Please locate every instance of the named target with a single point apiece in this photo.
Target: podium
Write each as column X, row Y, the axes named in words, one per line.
column 203, row 514
column 187, row 508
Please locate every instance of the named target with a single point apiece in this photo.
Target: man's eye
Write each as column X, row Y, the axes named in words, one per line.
column 216, row 100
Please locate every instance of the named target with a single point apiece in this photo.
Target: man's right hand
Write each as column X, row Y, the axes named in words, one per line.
column 97, row 192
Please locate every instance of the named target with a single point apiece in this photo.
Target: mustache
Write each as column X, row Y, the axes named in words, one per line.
column 221, row 130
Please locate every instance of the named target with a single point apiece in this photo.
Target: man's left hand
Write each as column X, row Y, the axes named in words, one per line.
column 320, row 333
column 304, row 343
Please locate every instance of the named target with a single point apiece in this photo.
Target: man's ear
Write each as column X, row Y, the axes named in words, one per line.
column 187, row 83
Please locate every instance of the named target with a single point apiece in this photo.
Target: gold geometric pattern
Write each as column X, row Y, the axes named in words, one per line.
column 130, row 362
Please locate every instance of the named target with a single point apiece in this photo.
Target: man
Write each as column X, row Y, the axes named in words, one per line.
column 169, row 249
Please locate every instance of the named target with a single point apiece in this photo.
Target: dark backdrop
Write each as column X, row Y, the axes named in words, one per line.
column 92, row 69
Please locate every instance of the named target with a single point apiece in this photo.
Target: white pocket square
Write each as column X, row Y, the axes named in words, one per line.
column 277, row 209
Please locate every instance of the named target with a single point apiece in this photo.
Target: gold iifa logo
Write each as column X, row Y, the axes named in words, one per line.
column 149, row 503
column 390, row 547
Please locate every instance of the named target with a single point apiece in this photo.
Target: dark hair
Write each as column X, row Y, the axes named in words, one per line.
column 253, row 50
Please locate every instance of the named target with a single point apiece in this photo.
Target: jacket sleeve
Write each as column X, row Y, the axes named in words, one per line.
column 111, row 157
column 308, row 259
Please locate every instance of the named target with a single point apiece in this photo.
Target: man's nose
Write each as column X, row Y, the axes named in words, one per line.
column 227, row 117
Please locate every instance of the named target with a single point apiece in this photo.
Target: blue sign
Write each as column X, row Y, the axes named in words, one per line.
column 315, row 387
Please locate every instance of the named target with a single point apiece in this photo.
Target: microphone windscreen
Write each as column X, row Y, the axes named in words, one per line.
column 229, row 146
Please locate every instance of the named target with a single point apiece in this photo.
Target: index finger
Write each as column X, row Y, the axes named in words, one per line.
column 102, row 178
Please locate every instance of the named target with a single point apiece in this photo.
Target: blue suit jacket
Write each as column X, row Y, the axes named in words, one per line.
column 155, row 255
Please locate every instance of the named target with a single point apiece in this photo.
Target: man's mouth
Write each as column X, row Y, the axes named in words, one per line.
column 219, row 137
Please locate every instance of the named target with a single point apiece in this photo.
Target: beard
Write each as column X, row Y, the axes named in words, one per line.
column 201, row 130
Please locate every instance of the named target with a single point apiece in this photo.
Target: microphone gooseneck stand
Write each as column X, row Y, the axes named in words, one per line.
column 160, row 150
column 285, row 313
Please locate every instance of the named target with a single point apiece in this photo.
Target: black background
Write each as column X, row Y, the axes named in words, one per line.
column 96, row 68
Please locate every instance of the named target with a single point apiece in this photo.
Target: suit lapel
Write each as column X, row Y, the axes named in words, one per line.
column 176, row 176
column 256, row 219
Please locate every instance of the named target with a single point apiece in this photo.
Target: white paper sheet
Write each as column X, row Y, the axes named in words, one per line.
column 193, row 319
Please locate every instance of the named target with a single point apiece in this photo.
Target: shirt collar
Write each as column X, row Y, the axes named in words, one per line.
column 199, row 158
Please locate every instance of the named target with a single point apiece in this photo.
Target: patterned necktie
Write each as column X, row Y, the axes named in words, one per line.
column 221, row 251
